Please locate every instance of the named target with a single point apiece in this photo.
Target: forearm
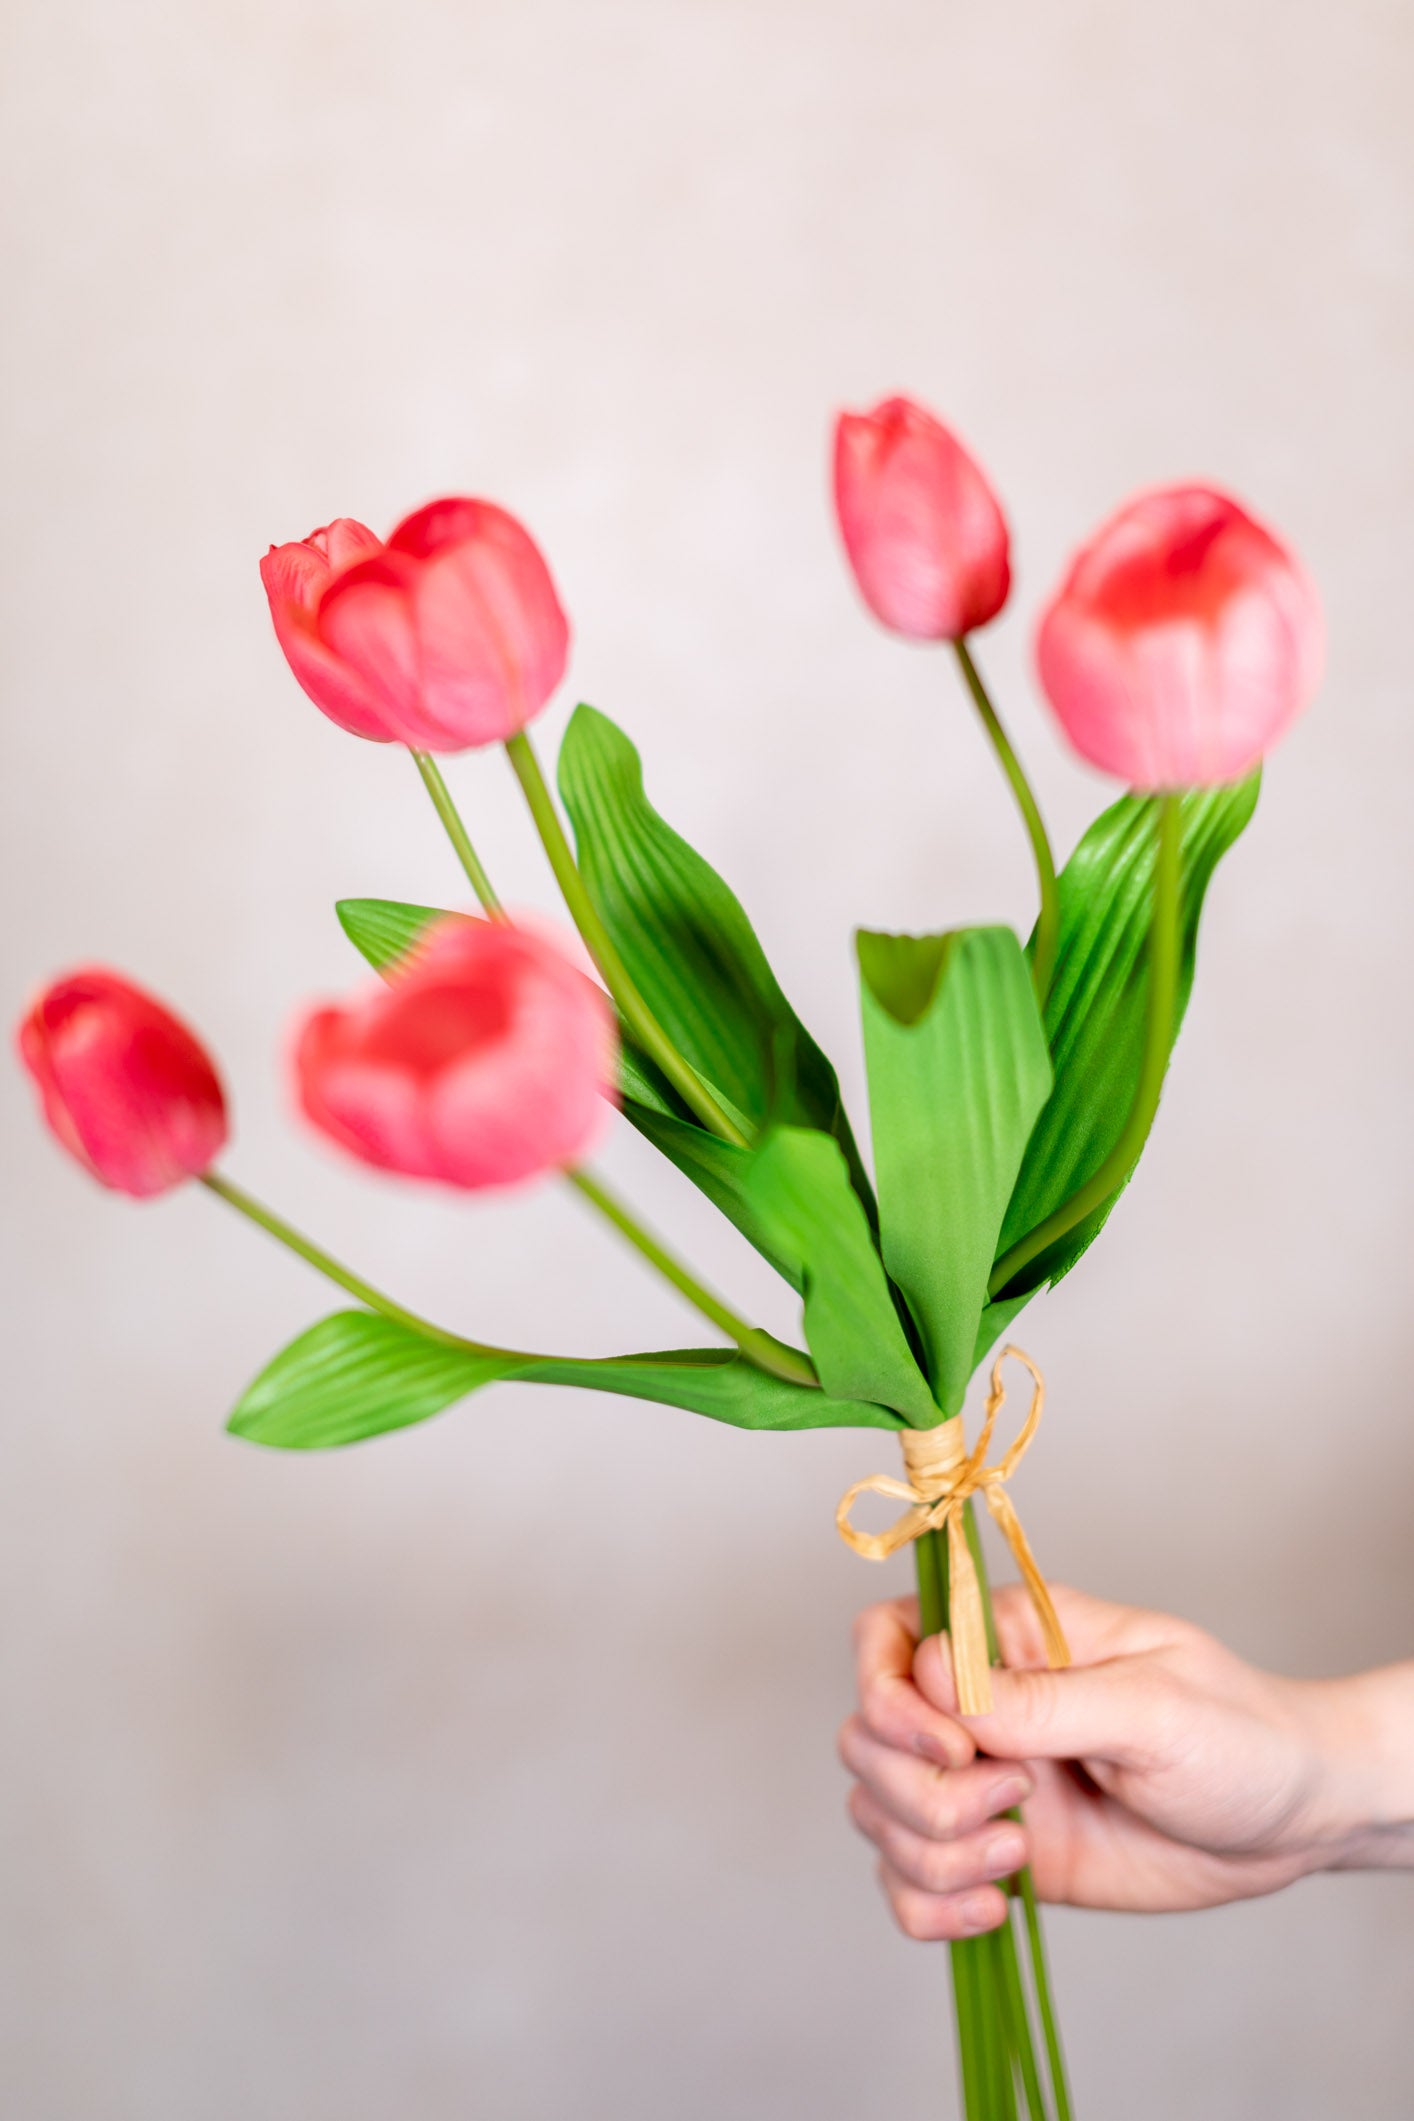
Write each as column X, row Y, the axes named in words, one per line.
column 1367, row 1742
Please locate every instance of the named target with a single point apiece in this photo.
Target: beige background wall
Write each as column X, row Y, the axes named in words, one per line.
column 406, row 1783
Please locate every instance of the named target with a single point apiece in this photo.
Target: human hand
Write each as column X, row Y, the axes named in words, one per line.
column 1159, row 1772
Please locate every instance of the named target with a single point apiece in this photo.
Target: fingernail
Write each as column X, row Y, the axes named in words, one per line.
column 1004, row 1853
column 978, row 1913
column 1015, row 1790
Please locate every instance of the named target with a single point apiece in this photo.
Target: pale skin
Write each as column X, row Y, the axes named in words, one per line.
column 1160, row 1772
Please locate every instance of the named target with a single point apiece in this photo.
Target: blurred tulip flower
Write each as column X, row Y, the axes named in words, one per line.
column 123, row 1085
column 488, row 1059
column 923, row 530
column 1183, row 642
column 449, row 636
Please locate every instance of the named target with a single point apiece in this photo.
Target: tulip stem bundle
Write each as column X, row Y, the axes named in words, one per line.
column 1047, row 938
column 1010, row 1099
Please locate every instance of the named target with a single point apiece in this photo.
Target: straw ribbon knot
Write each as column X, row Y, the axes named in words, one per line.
column 942, row 1475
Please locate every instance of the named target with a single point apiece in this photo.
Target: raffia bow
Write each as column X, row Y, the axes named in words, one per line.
column 942, row 1475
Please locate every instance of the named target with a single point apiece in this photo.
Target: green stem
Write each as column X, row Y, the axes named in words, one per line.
column 1043, row 958
column 969, row 2009
column 993, row 2024
column 456, row 831
column 635, row 1011
column 969, row 2015
column 1022, row 2045
column 1009, row 2000
column 974, row 2000
column 930, row 1561
column 265, row 1218
column 1158, row 1039
column 1000, row 2028
column 1041, row 1982
column 759, row 1347
column 1023, row 1881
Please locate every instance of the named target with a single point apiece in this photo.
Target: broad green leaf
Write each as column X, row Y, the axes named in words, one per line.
column 958, row 1070
column 1096, row 1010
column 357, row 1374
column 690, row 947
column 384, row 929
column 799, row 1185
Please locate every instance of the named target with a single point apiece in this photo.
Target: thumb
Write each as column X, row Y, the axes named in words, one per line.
column 1114, row 1711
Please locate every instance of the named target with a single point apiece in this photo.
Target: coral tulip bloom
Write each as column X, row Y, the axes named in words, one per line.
column 124, row 1086
column 448, row 636
column 487, row 1060
column 1182, row 643
column 923, row 529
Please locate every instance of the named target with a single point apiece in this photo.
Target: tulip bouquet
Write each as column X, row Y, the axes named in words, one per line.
column 1012, row 1084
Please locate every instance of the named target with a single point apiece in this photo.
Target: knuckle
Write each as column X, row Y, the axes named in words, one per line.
column 865, row 1622
column 1166, row 1713
column 938, row 1871
column 875, row 1701
column 847, row 1741
column 941, row 1811
column 1037, row 1699
column 911, row 1913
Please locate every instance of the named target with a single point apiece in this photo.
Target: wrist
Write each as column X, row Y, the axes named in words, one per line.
column 1364, row 1739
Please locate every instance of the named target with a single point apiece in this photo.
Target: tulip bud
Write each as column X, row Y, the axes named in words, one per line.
column 448, row 636
column 1182, row 643
column 124, row 1086
column 923, row 530
column 487, row 1060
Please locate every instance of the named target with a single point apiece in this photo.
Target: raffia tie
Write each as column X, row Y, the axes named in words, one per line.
column 942, row 1475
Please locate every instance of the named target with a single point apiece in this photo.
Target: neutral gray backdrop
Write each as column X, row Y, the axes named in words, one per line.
column 488, row 1769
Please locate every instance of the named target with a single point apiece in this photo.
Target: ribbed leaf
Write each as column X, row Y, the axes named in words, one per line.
column 958, row 1070
column 1095, row 1013
column 384, row 928
column 800, row 1188
column 357, row 1374
column 690, row 947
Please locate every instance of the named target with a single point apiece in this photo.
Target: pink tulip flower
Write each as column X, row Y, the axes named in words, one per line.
column 487, row 1060
column 450, row 635
column 1182, row 643
column 923, row 530
column 123, row 1085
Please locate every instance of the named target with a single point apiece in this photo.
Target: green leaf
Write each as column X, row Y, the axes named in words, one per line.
column 384, row 929
column 958, row 1071
column 717, row 1382
column 1095, row 1012
column 357, row 1374
column 799, row 1185
column 690, row 948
